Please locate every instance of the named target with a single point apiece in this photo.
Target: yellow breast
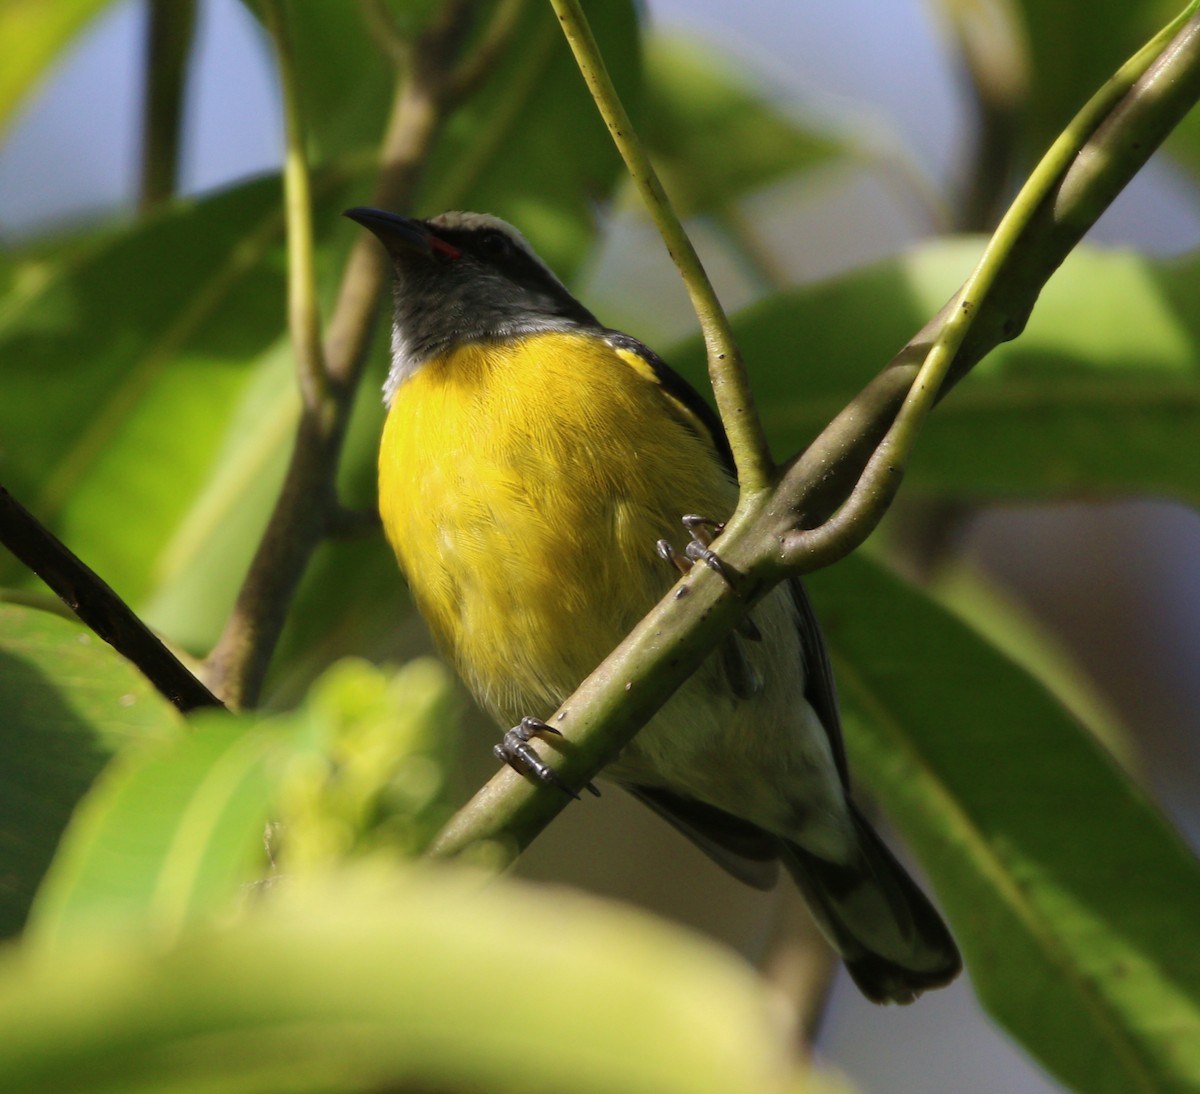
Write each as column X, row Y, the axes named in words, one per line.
column 523, row 486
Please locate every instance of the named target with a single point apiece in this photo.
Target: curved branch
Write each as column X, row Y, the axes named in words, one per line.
column 1105, row 145
column 1104, row 149
column 731, row 386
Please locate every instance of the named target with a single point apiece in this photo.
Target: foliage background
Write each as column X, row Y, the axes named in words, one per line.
column 1114, row 581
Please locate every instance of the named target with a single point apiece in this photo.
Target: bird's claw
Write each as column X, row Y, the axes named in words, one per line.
column 699, row 549
column 516, row 751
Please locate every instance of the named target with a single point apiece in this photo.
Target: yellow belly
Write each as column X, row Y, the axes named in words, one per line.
column 523, row 486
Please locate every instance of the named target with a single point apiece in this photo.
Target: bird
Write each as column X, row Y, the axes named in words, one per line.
column 534, row 469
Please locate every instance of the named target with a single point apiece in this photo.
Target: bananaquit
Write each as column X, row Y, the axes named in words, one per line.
column 531, row 460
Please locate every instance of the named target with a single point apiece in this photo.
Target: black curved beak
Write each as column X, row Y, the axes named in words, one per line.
column 396, row 233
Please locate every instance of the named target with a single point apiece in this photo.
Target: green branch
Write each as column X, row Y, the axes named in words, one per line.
column 731, row 386
column 95, row 604
column 856, row 464
column 304, row 318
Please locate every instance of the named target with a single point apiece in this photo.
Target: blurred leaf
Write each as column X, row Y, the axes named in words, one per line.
column 34, row 34
column 347, row 80
column 1010, row 626
column 163, row 838
column 367, row 982
column 713, row 137
column 1100, row 396
column 201, row 565
column 373, row 779
column 529, row 144
column 143, row 377
column 1074, row 46
column 1077, row 907
column 169, row 836
column 353, row 602
column 122, row 357
column 69, row 702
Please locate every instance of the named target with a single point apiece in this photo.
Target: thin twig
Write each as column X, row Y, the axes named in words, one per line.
column 168, row 42
column 731, row 386
column 96, row 605
column 304, row 320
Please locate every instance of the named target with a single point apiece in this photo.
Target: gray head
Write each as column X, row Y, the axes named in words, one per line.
column 464, row 277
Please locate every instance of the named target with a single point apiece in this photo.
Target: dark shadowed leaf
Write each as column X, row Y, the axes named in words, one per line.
column 69, row 702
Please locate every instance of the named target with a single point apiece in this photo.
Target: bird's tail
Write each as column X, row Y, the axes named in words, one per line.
column 891, row 938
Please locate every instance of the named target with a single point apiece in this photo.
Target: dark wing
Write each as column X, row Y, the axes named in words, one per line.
column 819, row 688
column 740, row 848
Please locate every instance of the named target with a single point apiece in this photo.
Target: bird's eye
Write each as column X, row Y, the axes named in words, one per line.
column 494, row 244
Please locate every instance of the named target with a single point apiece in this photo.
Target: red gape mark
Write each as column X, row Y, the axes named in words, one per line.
column 438, row 244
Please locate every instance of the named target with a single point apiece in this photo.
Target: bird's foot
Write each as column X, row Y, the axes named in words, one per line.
column 516, row 751
column 703, row 531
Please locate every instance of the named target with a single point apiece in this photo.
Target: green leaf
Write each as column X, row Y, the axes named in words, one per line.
column 200, row 566
column 713, row 137
column 163, row 838
column 123, row 356
column 529, row 144
column 169, row 836
column 1076, row 905
column 34, row 34
column 1012, row 628
column 367, row 774
column 69, row 702
column 1099, row 397
column 144, row 392
column 346, row 78
column 370, row 981
column 1074, row 46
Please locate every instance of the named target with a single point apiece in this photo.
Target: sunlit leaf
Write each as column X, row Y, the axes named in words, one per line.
column 122, row 358
column 365, row 982
column 169, row 836
column 1099, row 396
column 163, row 838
